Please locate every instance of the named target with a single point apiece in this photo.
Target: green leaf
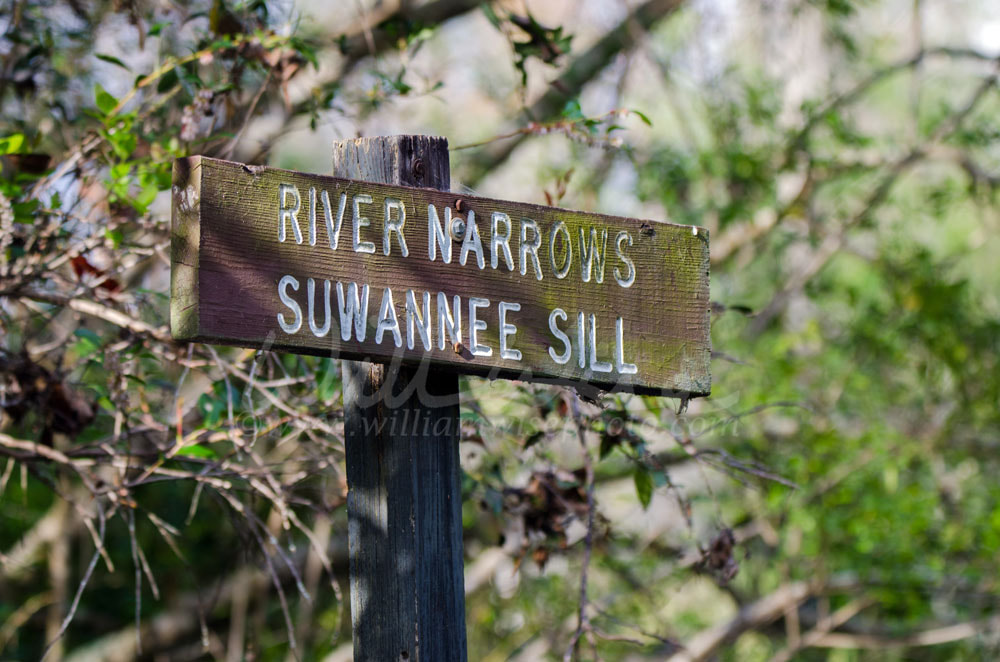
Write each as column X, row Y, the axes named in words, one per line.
column 105, row 102
column 90, row 342
column 643, row 486
column 11, row 144
column 642, row 116
column 112, row 60
column 189, row 79
column 157, row 28
column 211, row 409
column 608, row 444
column 534, row 439
column 145, row 198
column 89, row 335
column 120, row 171
column 491, row 15
column 136, row 380
column 572, row 110
column 167, row 81
column 397, row 84
column 197, row 450
column 115, row 237
column 24, row 212
column 306, row 50
column 327, row 380
column 122, row 142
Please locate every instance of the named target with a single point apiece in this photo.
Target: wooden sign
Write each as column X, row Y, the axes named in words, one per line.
column 335, row 267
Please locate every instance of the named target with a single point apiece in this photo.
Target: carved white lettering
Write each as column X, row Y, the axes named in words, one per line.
column 394, row 224
column 291, row 303
column 594, row 253
column 629, row 277
column 500, row 240
column 472, row 242
column 312, row 215
column 361, row 222
column 558, row 229
column 420, row 321
column 332, row 230
column 476, row 325
column 620, row 365
column 563, row 358
column 353, row 310
column 447, row 322
column 289, row 212
column 530, row 247
column 595, row 365
column 318, row 331
column 508, row 329
column 387, row 320
column 438, row 235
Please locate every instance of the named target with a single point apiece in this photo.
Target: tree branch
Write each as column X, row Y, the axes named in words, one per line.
column 833, row 242
column 99, row 310
column 581, row 71
column 822, row 628
column 932, row 637
column 356, row 46
column 758, row 613
column 738, row 235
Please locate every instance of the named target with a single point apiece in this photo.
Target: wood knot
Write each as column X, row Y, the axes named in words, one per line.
column 418, row 168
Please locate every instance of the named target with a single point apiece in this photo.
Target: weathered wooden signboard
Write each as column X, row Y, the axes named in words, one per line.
column 321, row 265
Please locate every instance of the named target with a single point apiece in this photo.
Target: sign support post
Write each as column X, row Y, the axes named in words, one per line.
column 401, row 428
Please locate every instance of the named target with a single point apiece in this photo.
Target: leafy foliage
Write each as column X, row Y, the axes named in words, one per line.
column 845, row 464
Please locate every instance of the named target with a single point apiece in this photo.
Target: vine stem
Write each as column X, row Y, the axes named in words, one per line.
column 168, row 66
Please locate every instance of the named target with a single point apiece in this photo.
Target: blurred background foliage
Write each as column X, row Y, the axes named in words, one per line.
column 835, row 499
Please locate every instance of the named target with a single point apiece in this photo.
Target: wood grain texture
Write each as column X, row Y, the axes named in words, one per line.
column 231, row 296
column 403, row 471
column 185, row 240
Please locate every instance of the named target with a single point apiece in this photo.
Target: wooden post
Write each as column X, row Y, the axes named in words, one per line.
column 404, row 478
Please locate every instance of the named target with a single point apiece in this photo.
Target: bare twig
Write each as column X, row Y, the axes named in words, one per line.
column 725, row 244
column 22, row 615
column 823, row 627
column 569, row 127
column 758, row 613
column 584, row 68
column 931, row 637
column 138, row 580
column 99, row 310
column 87, row 574
column 833, row 242
column 228, row 153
